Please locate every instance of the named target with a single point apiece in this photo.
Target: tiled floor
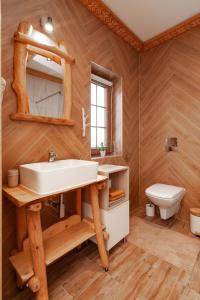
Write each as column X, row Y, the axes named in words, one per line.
column 157, row 262
column 173, row 247
column 172, row 223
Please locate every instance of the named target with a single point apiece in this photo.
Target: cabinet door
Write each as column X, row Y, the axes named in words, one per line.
column 117, row 223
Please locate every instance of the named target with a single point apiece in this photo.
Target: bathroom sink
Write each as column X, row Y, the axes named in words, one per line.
column 50, row 177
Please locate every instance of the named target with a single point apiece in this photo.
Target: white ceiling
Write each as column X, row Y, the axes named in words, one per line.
column 148, row 18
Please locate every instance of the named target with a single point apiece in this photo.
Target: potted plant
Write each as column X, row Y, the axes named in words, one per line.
column 102, row 149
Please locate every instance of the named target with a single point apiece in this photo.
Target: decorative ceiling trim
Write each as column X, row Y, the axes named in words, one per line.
column 103, row 13
column 172, row 32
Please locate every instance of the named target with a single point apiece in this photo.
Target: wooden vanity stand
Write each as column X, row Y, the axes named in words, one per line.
column 37, row 249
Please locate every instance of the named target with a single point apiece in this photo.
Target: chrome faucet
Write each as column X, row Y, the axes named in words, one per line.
column 52, row 156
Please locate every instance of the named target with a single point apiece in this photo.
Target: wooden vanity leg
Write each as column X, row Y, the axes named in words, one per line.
column 21, row 232
column 37, row 249
column 21, row 226
column 78, row 208
column 98, row 228
column 78, row 202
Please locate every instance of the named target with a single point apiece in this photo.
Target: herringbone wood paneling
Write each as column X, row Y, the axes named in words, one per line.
column 87, row 39
column 170, row 106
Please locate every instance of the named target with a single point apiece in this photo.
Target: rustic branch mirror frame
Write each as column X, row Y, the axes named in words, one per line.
column 23, row 43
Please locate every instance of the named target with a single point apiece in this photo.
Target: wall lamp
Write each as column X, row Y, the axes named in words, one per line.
column 47, row 24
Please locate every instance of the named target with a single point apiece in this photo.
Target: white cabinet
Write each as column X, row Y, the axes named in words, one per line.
column 116, row 221
column 116, row 216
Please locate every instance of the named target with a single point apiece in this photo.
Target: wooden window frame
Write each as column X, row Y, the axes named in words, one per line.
column 96, row 151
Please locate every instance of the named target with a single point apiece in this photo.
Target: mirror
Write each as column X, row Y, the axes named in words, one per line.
column 42, row 78
column 44, row 83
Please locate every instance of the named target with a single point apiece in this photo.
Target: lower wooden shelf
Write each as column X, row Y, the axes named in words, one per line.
column 58, row 244
column 23, row 265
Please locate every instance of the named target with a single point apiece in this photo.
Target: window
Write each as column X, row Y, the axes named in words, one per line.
column 100, row 116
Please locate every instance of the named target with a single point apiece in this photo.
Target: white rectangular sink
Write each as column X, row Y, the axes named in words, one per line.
column 50, row 177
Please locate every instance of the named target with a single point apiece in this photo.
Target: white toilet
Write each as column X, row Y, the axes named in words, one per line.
column 166, row 197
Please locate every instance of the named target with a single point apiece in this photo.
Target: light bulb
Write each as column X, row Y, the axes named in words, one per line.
column 47, row 24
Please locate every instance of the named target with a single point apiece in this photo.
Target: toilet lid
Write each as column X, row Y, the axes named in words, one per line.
column 164, row 191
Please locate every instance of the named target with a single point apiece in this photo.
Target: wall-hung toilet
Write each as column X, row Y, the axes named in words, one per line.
column 166, row 197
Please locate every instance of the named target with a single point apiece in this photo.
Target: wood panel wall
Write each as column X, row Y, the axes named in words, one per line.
column 170, row 106
column 87, row 39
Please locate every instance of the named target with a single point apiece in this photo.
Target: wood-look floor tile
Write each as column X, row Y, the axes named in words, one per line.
column 81, row 277
column 103, row 287
column 189, row 294
column 173, row 247
column 172, row 223
column 60, row 293
column 135, row 272
column 76, row 275
column 134, row 265
column 159, row 281
column 195, row 276
column 182, row 283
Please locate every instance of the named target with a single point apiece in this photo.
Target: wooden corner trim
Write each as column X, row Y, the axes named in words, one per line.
column 104, row 14
column 172, row 32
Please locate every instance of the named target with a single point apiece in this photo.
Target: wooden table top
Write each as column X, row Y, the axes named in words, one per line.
column 20, row 196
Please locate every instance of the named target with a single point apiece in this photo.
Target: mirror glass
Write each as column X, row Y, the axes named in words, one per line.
column 44, row 82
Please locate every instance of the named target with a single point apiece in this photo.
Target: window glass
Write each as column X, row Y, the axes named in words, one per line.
column 93, row 115
column 93, row 94
column 101, row 96
column 99, row 116
column 101, row 136
column 93, row 137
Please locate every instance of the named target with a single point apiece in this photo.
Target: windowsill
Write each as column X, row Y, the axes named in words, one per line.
column 107, row 156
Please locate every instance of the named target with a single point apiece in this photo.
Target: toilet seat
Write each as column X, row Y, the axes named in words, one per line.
column 165, row 192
